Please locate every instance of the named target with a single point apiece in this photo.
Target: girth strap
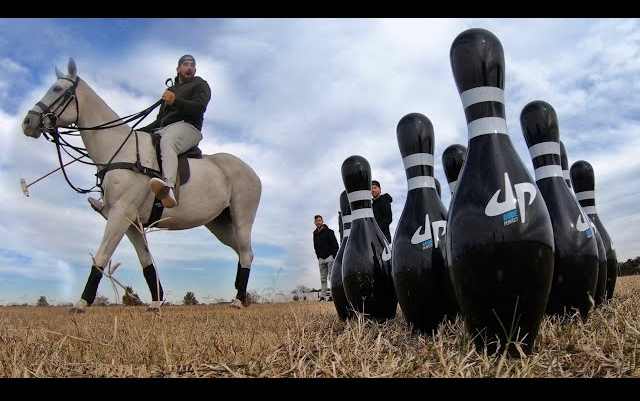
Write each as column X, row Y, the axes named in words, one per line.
column 137, row 167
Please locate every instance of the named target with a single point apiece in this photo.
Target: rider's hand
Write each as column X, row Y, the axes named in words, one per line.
column 168, row 97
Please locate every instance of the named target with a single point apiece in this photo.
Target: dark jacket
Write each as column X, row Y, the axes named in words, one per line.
column 382, row 213
column 324, row 242
column 191, row 102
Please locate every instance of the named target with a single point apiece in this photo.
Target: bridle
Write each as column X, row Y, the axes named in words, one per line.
column 48, row 117
column 49, row 125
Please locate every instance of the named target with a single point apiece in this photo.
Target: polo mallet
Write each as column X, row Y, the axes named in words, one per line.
column 25, row 187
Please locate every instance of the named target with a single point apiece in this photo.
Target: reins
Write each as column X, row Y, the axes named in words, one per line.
column 49, row 125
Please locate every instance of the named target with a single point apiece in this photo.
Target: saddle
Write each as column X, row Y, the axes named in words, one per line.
column 184, row 173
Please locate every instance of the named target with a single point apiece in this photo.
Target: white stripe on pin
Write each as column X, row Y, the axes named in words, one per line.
column 585, row 195
column 482, row 94
column 362, row 213
column 566, row 175
column 422, row 181
column 487, row 125
column 346, row 219
column 589, row 209
column 359, row 195
column 418, row 159
column 544, row 148
column 549, row 172
column 346, row 233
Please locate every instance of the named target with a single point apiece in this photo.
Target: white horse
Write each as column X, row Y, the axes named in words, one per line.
column 222, row 194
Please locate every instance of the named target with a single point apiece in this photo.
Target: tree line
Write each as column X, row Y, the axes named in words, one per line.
column 130, row 298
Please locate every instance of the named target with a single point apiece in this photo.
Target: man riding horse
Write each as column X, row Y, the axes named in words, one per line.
column 179, row 124
column 221, row 192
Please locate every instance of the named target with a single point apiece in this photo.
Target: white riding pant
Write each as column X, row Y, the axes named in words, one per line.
column 177, row 138
column 325, row 271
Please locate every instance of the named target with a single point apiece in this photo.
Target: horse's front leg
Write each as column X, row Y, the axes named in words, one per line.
column 119, row 220
column 140, row 245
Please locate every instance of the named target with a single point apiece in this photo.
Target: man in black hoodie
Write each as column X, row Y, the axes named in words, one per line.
column 179, row 123
column 326, row 247
column 382, row 209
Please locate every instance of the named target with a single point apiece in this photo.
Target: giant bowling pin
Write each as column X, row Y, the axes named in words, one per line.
column 420, row 275
column 499, row 235
column 337, row 287
column 583, row 180
column 366, row 263
column 601, row 286
column 575, row 271
column 452, row 160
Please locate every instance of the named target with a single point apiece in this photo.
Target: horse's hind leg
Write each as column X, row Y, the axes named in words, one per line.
column 223, row 228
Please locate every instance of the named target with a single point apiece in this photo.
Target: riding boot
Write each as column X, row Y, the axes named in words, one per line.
column 91, row 288
column 163, row 192
column 151, row 277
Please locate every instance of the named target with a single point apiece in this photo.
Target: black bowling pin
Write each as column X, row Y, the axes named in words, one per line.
column 438, row 189
column 499, row 236
column 452, row 160
column 337, row 288
column 420, row 274
column 575, row 271
column 583, row 180
column 601, row 286
column 366, row 263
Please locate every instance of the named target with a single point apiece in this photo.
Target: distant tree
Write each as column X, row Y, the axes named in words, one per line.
column 301, row 289
column 254, row 296
column 42, row 301
column 189, row 299
column 630, row 267
column 101, row 300
column 130, row 298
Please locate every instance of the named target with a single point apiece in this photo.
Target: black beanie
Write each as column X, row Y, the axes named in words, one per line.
column 185, row 58
column 376, row 183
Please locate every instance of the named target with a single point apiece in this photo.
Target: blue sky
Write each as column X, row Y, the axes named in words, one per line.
column 294, row 98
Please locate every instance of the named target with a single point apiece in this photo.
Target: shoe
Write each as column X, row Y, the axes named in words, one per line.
column 321, row 299
column 163, row 192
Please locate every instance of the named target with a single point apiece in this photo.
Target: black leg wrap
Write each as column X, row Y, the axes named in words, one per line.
column 151, row 277
column 91, row 288
column 242, row 279
column 238, row 276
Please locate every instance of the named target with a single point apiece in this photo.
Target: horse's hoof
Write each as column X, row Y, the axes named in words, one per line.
column 154, row 306
column 79, row 307
column 236, row 303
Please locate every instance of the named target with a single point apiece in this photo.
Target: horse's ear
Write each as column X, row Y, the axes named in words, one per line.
column 71, row 67
column 59, row 73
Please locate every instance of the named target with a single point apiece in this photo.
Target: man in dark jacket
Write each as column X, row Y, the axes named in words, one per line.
column 326, row 247
column 179, row 123
column 382, row 209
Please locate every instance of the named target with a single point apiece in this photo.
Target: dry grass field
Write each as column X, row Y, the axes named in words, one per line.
column 302, row 339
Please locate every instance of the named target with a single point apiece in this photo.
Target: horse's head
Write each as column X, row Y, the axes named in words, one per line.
column 53, row 109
